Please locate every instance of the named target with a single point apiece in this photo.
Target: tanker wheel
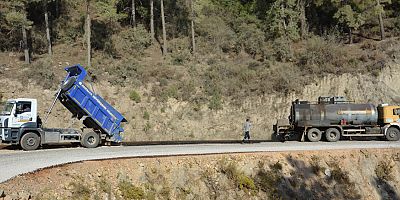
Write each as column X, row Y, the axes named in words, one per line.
column 332, row 134
column 30, row 141
column 90, row 140
column 314, row 135
column 392, row 134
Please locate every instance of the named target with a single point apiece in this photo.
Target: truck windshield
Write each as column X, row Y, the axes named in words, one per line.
column 7, row 108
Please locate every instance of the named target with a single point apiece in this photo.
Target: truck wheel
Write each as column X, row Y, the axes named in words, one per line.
column 314, row 135
column 68, row 83
column 392, row 134
column 30, row 141
column 90, row 140
column 332, row 134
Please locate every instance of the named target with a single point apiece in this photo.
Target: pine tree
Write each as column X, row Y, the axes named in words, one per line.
column 88, row 33
column 133, row 14
column 46, row 19
column 152, row 19
column 192, row 26
column 16, row 17
column 163, row 29
column 350, row 18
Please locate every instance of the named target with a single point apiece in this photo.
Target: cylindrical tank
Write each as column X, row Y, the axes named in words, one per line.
column 306, row 114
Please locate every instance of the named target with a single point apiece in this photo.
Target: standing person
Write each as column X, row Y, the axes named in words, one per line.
column 246, row 130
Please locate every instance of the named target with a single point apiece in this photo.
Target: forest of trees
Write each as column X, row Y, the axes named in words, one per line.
column 211, row 50
column 204, row 26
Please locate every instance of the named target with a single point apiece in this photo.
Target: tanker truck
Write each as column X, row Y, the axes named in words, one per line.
column 21, row 125
column 333, row 118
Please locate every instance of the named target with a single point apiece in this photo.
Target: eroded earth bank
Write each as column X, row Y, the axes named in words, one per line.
column 340, row 174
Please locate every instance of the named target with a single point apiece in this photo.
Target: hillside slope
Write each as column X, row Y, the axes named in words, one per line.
column 176, row 118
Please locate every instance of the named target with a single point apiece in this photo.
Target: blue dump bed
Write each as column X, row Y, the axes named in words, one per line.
column 84, row 104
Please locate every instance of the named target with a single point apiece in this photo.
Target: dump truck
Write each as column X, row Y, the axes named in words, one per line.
column 333, row 117
column 21, row 125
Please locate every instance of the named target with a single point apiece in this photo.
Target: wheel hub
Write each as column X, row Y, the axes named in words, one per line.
column 314, row 135
column 31, row 141
column 392, row 134
column 91, row 140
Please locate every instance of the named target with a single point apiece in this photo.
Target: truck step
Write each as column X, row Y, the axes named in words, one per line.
column 361, row 135
column 354, row 130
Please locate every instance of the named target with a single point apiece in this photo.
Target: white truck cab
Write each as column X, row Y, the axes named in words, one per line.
column 20, row 125
column 17, row 113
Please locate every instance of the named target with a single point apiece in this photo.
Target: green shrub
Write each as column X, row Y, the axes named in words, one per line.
column 131, row 41
column 397, row 25
column 180, row 50
column 339, row 175
column 129, row 191
column 186, row 89
column 39, row 41
column 146, row 115
column 251, row 38
column 215, row 102
column 276, row 167
column 41, row 73
column 134, row 96
column 215, row 32
column 267, row 181
column 164, row 93
column 104, row 185
column 315, row 166
column 147, row 127
column 384, row 171
column 162, row 110
column 45, row 194
column 80, row 190
column 241, row 180
column 282, row 49
column 124, row 72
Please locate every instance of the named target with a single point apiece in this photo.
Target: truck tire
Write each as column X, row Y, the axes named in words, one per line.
column 30, row 141
column 392, row 134
column 68, row 83
column 90, row 140
column 314, row 135
column 332, row 135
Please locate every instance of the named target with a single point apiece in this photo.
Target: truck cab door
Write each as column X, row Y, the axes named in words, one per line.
column 22, row 114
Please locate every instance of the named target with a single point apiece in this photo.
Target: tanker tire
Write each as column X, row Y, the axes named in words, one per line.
column 90, row 140
column 393, row 134
column 68, row 83
column 30, row 141
column 332, row 135
column 314, row 135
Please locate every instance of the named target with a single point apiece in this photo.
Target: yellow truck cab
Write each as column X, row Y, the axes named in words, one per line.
column 389, row 120
column 388, row 114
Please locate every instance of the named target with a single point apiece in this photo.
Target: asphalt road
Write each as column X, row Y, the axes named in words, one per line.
column 16, row 162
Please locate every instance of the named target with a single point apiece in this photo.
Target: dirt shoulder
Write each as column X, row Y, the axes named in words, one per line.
column 339, row 174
